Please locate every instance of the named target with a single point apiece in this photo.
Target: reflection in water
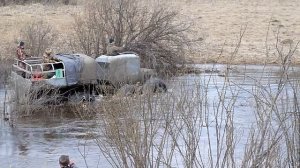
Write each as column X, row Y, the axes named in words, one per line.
column 23, row 149
column 39, row 141
column 42, row 146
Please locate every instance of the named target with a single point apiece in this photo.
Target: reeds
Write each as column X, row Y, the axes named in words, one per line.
column 207, row 122
column 193, row 127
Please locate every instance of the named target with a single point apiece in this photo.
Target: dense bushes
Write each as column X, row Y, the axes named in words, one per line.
column 38, row 35
column 155, row 33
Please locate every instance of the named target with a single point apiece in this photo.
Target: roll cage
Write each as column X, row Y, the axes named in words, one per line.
column 35, row 69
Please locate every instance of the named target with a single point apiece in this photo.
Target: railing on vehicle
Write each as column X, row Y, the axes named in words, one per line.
column 35, row 69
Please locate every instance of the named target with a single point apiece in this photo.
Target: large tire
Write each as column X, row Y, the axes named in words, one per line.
column 154, row 85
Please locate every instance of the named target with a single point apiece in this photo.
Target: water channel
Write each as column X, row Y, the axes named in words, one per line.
column 39, row 141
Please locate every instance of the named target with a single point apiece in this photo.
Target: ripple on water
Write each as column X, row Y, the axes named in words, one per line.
column 38, row 142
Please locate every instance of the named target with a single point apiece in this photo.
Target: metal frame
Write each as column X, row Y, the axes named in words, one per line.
column 29, row 67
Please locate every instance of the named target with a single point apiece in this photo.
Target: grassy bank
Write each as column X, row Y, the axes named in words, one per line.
column 218, row 23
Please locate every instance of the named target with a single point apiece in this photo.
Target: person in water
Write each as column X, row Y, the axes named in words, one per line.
column 65, row 162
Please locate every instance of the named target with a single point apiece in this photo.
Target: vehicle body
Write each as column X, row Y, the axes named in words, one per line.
column 73, row 73
column 120, row 69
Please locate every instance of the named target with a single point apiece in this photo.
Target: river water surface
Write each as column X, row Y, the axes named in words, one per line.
column 39, row 141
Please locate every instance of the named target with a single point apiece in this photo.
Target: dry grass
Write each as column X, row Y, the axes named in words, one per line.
column 14, row 18
column 222, row 21
column 218, row 22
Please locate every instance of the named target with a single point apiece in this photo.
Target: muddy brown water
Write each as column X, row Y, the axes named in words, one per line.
column 39, row 141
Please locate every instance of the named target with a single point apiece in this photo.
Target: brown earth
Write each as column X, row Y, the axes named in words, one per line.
column 218, row 22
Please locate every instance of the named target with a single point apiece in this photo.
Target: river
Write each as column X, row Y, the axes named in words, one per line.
column 39, row 141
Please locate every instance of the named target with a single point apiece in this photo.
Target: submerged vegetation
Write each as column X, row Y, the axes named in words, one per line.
column 211, row 122
column 5, row 68
column 231, row 125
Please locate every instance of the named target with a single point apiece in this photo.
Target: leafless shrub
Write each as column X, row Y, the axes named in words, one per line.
column 38, row 35
column 189, row 128
column 276, row 142
column 156, row 34
column 133, row 140
column 5, row 69
column 28, row 100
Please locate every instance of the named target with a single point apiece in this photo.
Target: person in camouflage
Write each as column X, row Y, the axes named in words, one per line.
column 112, row 49
column 21, row 55
column 47, row 57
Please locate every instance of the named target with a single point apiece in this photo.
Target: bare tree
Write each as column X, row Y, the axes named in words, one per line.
column 156, row 34
column 38, row 35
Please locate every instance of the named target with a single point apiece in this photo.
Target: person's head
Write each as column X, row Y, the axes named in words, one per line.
column 48, row 51
column 111, row 40
column 64, row 161
column 21, row 44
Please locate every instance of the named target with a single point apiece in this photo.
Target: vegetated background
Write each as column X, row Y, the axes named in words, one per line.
column 220, row 32
column 216, row 26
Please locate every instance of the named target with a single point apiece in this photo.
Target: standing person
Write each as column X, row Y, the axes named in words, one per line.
column 65, row 162
column 48, row 55
column 21, row 55
column 112, row 49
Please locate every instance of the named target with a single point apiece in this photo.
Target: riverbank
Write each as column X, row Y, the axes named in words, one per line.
column 235, row 32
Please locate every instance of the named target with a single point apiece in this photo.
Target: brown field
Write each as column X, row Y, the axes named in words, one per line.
column 218, row 22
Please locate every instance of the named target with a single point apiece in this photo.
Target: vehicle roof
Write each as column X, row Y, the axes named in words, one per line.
column 105, row 58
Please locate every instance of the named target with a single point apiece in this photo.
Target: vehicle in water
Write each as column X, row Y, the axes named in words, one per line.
column 69, row 74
